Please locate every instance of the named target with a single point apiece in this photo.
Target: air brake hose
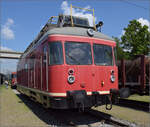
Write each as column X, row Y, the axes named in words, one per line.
column 110, row 102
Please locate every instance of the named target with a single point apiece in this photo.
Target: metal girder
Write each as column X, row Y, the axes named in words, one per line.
column 9, row 57
column 11, row 52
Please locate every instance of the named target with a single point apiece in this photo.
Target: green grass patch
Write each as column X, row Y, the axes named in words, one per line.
column 137, row 97
column 10, row 99
column 134, row 116
column 14, row 111
column 2, row 87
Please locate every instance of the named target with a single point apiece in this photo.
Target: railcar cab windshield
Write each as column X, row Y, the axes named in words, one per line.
column 103, row 55
column 80, row 53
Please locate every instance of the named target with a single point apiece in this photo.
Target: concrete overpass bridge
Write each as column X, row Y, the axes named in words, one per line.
column 10, row 54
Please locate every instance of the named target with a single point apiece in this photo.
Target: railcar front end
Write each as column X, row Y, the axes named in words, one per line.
column 81, row 71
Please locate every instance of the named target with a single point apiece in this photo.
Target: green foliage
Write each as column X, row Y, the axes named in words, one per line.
column 135, row 41
column 120, row 53
column 136, row 38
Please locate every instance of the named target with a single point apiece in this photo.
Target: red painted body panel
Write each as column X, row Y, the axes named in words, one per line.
column 87, row 77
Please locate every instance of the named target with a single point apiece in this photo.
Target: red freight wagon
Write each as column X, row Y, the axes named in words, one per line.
column 69, row 65
column 13, row 79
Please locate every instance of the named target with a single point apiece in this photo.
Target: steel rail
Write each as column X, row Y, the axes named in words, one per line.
column 108, row 119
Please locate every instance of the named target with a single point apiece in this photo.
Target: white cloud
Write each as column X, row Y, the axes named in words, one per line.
column 7, row 32
column 144, row 22
column 9, row 22
column 122, row 33
column 76, row 12
column 6, row 49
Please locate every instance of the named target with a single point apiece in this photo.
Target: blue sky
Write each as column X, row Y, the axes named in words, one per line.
column 23, row 19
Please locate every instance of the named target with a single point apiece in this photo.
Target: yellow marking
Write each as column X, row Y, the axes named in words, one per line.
column 94, row 20
column 71, row 15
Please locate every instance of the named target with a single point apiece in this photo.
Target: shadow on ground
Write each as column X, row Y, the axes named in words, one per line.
column 136, row 105
column 59, row 117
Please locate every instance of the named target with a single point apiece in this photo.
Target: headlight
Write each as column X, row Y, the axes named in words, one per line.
column 71, row 72
column 112, row 78
column 90, row 32
column 71, row 79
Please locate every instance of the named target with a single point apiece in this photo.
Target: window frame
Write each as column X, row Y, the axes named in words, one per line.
column 78, row 42
column 103, row 47
column 115, row 55
column 44, row 55
column 49, row 60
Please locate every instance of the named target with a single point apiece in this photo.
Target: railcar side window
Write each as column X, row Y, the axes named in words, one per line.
column 26, row 67
column 56, row 53
column 78, row 53
column 103, row 55
column 32, row 59
column 44, row 57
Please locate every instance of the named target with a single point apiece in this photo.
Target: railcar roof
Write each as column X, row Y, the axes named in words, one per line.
column 77, row 31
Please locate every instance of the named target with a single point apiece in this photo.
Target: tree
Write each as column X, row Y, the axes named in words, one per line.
column 120, row 52
column 136, row 39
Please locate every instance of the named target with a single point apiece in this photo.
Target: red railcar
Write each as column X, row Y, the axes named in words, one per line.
column 69, row 65
column 13, row 79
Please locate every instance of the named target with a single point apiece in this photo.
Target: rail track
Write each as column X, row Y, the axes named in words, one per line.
column 108, row 119
column 92, row 118
column 138, row 105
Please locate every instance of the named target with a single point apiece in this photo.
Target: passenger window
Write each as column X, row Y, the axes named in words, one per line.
column 44, row 53
column 56, row 53
column 32, row 59
column 26, row 67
